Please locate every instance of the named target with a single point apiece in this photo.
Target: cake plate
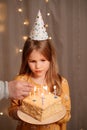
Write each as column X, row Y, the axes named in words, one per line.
column 25, row 117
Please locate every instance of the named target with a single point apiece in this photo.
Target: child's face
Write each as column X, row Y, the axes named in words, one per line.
column 38, row 64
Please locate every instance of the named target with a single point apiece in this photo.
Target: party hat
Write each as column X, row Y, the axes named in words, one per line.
column 38, row 31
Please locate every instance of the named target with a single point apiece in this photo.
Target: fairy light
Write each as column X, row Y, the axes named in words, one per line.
column 26, row 22
column 50, row 38
column 20, row 50
column 48, row 14
column 46, row 25
column 47, row 1
column 23, row 24
column 1, row 113
column 20, row 10
column 25, row 38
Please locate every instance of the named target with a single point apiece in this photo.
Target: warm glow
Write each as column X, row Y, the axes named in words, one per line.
column 46, row 0
column 2, row 28
column 1, row 113
column 48, row 14
column 50, row 37
column 20, row 50
column 20, row 10
column 46, row 25
column 54, row 87
column 35, row 89
column 25, row 38
column 26, row 22
column 45, row 88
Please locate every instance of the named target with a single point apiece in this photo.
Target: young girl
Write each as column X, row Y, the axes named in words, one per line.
column 39, row 67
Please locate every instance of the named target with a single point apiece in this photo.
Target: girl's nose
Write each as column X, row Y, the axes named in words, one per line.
column 37, row 65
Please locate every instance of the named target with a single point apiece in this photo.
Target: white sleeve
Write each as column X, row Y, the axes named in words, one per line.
column 4, row 90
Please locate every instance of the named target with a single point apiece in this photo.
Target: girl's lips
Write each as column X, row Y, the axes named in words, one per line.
column 38, row 71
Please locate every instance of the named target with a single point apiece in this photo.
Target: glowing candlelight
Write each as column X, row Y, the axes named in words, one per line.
column 34, row 90
column 55, row 96
column 54, row 87
column 46, row 89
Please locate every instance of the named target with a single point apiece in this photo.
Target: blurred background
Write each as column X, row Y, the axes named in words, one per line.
column 66, row 22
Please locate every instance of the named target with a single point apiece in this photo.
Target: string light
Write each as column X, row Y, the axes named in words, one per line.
column 50, row 38
column 46, row 0
column 25, row 38
column 1, row 113
column 48, row 14
column 46, row 25
column 26, row 22
column 20, row 50
column 20, row 10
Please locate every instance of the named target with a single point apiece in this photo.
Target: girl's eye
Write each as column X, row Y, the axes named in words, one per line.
column 43, row 60
column 32, row 61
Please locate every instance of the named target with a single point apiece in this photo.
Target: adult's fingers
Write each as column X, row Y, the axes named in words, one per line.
column 25, row 83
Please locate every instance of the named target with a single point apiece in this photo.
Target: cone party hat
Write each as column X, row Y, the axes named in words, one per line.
column 38, row 31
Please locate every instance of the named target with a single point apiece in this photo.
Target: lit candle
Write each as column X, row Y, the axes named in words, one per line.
column 34, row 93
column 34, row 90
column 42, row 98
column 55, row 96
column 46, row 89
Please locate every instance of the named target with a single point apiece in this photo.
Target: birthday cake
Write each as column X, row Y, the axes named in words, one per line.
column 41, row 108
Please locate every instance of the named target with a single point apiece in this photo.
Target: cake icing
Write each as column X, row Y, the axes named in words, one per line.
column 41, row 109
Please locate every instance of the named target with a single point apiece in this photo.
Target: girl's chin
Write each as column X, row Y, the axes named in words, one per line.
column 38, row 75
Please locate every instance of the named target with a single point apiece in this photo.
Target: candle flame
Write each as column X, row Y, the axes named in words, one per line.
column 34, row 88
column 54, row 86
column 45, row 88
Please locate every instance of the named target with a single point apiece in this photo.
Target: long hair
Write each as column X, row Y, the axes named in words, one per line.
column 46, row 48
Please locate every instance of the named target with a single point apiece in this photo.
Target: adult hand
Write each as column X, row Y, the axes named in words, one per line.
column 19, row 89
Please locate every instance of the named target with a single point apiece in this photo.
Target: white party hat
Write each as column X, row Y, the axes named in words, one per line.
column 38, row 31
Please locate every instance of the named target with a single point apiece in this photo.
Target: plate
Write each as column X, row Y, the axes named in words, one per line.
column 25, row 117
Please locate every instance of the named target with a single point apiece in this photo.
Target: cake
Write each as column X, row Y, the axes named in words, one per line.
column 41, row 107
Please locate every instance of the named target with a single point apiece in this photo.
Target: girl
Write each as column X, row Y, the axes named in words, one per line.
column 39, row 67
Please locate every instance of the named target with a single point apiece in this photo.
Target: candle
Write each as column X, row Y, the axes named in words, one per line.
column 34, row 93
column 42, row 98
column 34, row 90
column 54, row 87
column 55, row 96
column 45, row 89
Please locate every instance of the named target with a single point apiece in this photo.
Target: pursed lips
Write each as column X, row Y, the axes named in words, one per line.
column 38, row 71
